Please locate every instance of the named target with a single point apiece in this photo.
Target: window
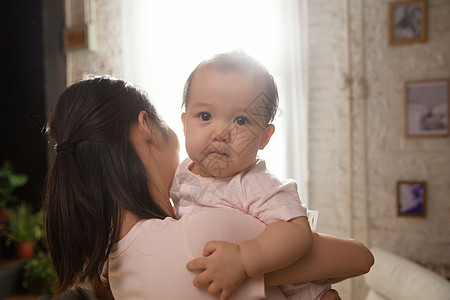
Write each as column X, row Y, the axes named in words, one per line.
column 165, row 40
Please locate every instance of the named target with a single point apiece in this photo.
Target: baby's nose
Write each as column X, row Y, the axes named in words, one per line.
column 221, row 134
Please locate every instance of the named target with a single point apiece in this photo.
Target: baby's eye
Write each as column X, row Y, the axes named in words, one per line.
column 204, row 116
column 241, row 120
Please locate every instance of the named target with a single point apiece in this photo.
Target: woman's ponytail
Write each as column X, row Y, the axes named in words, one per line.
column 95, row 176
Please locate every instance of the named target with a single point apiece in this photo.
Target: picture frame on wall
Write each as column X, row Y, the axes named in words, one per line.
column 427, row 108
column 407, row 22
column 411, row 198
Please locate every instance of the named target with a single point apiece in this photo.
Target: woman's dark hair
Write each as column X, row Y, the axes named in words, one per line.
column 95, row 176
column 242, row 62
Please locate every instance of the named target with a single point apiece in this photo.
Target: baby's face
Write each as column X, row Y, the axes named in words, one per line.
column 224, row 123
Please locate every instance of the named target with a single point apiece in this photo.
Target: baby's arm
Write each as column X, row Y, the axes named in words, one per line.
column 226, row 265
column 278, row 246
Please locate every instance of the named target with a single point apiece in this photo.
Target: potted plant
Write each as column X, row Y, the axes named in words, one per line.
column 39, row 275
column 9, row 182
column 25, row 228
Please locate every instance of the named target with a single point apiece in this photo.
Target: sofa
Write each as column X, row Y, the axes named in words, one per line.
column 394, row 277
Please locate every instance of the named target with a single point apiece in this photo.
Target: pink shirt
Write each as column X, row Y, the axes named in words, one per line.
column 150, row 261
column 254, row 191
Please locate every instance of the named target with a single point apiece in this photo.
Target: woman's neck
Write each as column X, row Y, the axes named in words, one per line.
column 128, row 221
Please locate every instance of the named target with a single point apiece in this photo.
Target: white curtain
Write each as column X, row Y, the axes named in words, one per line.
column 163, row 41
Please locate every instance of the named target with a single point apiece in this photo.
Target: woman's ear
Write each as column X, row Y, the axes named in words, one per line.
column 145, row 126
column 267, row 134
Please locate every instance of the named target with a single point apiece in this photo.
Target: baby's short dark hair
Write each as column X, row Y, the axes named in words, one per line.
column 240, row 61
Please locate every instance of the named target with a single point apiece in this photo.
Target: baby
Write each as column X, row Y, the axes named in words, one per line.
column 230, row 102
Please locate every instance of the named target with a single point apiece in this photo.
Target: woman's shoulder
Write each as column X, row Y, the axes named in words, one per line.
column 143, row 229
column 218, row 216
column 220, row 224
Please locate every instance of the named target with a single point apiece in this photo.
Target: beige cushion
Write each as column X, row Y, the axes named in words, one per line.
column 372, row 295
column 397, row 278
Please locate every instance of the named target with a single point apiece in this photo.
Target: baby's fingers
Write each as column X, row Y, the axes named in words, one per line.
column 202, row 279
column 199, row 264
column 210, row 247
column 196, row 264
column 215, row 289
column 225, row 295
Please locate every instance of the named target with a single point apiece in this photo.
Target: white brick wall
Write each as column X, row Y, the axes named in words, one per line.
column 390, row 155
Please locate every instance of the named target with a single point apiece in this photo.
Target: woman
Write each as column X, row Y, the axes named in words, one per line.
column 107, row 194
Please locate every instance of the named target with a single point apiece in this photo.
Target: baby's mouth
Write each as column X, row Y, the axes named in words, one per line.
column 218, row 154
column 213, row 153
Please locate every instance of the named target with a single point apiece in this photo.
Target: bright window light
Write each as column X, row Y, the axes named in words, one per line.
column 165, row 40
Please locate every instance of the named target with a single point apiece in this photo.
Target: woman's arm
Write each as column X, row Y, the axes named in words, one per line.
column 329, row 257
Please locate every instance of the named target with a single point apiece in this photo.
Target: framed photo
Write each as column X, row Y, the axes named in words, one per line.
column 427, row 108
column 80, row 38
column 407, row 22
column 411, row 198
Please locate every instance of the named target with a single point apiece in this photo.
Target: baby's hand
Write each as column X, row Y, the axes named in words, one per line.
column 221, row 268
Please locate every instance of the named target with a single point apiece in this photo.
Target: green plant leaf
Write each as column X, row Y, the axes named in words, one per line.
column 24, row 225
column 9, row 181
column 17, row 180
column 39, row 275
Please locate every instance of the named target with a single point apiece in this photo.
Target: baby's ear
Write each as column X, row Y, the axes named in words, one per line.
column 267, row 134
column 183, row 119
